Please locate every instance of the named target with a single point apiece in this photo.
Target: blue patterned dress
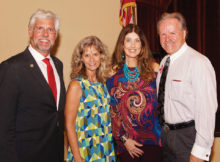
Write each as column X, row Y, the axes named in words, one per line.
column 93, row 124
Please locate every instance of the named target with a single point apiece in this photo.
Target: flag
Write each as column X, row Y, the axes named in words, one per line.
column 127, row 13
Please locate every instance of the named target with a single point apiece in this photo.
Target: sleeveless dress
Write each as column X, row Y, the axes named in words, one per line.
column 93, row 124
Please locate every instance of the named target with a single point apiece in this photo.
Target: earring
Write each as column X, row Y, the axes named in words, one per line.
column 123, row 56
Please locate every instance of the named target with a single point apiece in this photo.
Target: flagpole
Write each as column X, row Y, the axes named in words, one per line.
column 134, row 10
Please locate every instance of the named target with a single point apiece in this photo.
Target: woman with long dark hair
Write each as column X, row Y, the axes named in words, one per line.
column 136, row 128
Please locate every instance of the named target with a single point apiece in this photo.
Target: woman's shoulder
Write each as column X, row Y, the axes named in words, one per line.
column 79, row 79
column 113, row 76
column 74, row 83
column 110, row 83
column 155, row 66
column 74, row 88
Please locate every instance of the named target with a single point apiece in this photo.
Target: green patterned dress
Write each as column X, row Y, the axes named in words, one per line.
column 93, row 124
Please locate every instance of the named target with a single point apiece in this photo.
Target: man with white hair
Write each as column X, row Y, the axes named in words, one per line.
column 32, row 97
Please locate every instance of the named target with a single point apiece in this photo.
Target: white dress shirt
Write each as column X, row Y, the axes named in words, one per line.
column 191, row 94
column 43, row 67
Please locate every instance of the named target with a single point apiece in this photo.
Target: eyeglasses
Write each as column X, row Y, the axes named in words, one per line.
column 41, row 29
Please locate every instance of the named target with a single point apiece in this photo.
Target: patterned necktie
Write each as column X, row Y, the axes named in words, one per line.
column 161, row 94
column 51, row 78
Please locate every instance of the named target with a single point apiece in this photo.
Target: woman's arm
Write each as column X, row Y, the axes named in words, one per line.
column 73, row 96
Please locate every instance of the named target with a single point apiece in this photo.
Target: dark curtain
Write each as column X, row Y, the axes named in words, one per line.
column 203, row 23
column 148, row 13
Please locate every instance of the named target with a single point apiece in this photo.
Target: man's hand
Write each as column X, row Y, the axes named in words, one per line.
column 195, row 159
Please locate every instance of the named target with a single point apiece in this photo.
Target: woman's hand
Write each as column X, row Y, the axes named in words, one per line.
column 79, row 160
column 131, row 146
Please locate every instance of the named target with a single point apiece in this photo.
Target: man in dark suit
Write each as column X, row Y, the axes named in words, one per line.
column 32, row 97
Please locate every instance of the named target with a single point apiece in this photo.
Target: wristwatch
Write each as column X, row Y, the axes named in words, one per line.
column 123, row 139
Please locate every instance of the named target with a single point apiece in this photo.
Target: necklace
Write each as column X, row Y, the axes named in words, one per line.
column 131, row 75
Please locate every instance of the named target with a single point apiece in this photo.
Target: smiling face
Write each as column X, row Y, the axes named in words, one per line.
column 43, row 35
column 172, row 36
column 132, row 45
column 91, row 59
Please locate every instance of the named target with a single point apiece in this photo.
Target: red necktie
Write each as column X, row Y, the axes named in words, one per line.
column 51, row 78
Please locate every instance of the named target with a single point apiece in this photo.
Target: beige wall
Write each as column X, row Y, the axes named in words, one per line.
column 79, row 18
column 216, row 151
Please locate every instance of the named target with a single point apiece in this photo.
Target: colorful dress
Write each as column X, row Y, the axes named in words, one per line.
column 93, row 124
column 133, row 110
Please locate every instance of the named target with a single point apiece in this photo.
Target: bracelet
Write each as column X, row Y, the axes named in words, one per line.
column 123, row 139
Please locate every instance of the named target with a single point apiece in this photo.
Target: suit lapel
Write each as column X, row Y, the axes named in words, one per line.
column 34, row 69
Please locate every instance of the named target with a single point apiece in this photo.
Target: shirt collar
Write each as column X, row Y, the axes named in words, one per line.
column 37, row 56
column 177, row 54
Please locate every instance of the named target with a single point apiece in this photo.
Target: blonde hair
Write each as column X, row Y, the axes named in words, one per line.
column 78, row 67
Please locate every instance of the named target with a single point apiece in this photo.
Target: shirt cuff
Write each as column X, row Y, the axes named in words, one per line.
column 201, row 152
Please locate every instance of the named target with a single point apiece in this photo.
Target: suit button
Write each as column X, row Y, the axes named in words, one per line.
column 58, row 124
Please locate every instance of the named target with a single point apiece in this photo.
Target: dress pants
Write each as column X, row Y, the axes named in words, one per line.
column 177, row 144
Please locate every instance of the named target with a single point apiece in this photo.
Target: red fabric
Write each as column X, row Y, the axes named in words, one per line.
column 51, row 78
column 126, row 12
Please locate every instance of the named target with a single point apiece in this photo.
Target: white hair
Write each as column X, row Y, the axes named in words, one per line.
column 44, row 14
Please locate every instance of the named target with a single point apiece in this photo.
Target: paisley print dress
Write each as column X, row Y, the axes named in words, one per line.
column 133, row 110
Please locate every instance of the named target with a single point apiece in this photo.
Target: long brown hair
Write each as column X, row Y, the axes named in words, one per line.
column 145, row 59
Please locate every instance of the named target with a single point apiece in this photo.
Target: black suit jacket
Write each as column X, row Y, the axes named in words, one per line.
column 31, row 127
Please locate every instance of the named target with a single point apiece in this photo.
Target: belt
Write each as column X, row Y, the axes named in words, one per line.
column 179, row 125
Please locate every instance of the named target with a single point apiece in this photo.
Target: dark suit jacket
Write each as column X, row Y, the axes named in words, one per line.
column 31, row 127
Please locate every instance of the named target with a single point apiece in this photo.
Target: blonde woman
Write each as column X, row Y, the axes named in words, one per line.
column 87, row 115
